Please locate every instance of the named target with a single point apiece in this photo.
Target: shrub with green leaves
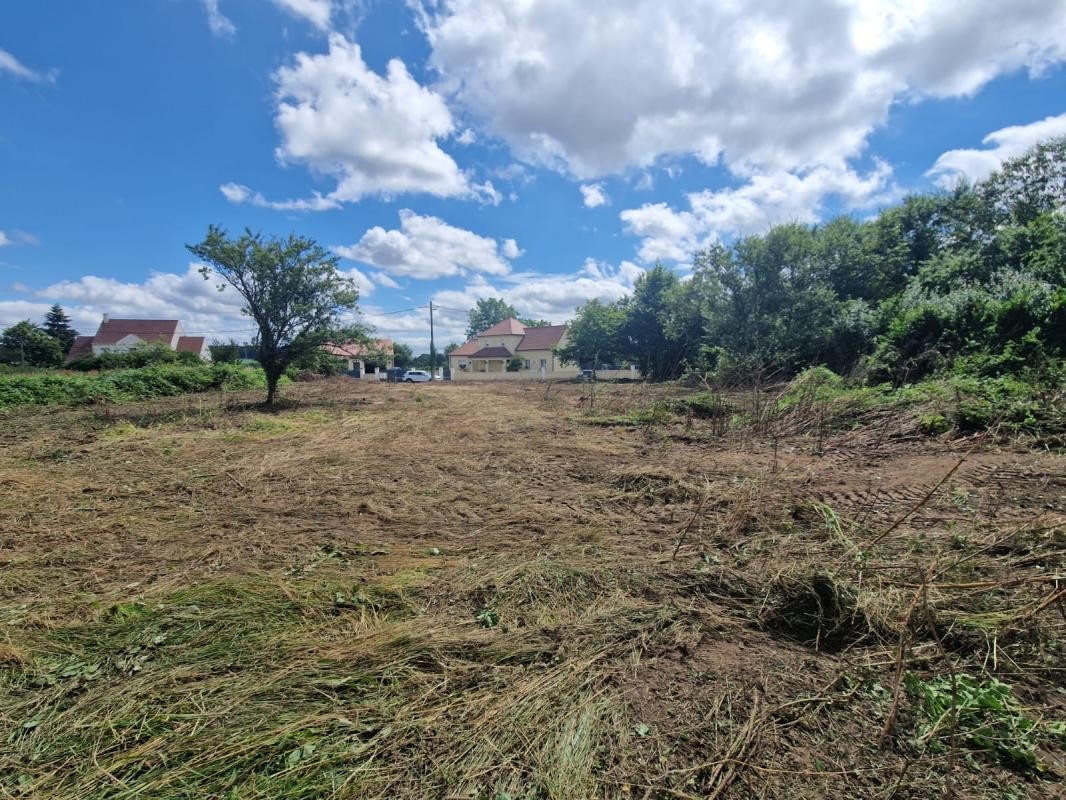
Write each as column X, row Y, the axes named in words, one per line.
column 986, row 717
column 163, row 380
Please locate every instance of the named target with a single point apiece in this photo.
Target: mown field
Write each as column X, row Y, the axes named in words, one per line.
column 524, row 591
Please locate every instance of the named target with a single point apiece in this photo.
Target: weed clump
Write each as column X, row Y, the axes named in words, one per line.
column 705, row 405
column 983, row 714
column 814, row 609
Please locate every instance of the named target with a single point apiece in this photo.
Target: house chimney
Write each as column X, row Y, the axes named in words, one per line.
column 105, row 319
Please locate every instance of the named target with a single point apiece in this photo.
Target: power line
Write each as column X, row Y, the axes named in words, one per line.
column 456, row 310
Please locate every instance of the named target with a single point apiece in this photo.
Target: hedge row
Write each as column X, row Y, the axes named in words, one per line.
column 164, row 380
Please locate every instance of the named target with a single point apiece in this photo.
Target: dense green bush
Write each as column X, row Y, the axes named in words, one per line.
column 316, row 362
column 143, row 355
column 161, row 380
column 965, row 282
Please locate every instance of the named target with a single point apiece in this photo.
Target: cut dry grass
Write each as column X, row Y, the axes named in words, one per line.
column 469, row 592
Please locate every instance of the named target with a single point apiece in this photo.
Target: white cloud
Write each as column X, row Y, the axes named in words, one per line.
column 238, row 193
column 13, row 311
column 550, row 297
column 645, row 183
column 16, row 237
column 666, row 235
column 765, row 199
column 772, row 198
column 199, row 305
column 766, row 85
column 427, row 247
column 384, row 279
column 467, row 137
column 317, row 12
column 218, row 22
column 12, row 66
column 486, row 193
column 362, row 282
column 373, row 134
column 977, row 164
column 592, row 195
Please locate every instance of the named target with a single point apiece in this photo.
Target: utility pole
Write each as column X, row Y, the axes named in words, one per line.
column 432, row 345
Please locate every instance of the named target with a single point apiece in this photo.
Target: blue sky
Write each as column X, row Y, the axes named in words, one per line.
column 545, row 152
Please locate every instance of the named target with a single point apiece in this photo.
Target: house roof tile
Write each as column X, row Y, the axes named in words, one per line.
column 83, row 346
column 492, row 352
column 543, row 338
column 467, row 349
column 190, row 344
column 509, row 327
column 356, row 349
column 150, row 330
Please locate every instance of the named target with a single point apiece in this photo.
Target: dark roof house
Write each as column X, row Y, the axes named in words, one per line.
column 117, row 334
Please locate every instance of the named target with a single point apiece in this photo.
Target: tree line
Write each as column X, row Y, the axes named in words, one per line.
column 972, row 279
column 27, row 344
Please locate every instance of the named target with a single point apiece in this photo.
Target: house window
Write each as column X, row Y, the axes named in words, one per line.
column 543, row 363
column 526, row 362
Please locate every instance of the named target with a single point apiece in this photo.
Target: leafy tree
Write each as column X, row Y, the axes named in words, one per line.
column 423, row 361
column 486, row 313
column 402, row 355
column 57, row 325
column 653, row 334
column 225, row 352
column 595, row 335
column 28, row 346
column 291, row 289
column 317, row 362
column 1031, row 184
column 529, row 322
column 376, row 356
column 516, row 364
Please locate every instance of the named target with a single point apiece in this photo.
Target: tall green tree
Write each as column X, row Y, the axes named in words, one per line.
column 57, row 325
column 291, row 289
column 27, row 345
column 1031, row 184
column 595, row 335
column 486, row 313
column 225, row 352
column 654, row 334
column 402, row 355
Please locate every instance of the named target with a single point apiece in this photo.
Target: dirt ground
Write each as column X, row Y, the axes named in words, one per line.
column 519, row 591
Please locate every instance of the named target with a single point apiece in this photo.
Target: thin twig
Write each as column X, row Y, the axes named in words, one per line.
column 904, row 639
column 691, row 522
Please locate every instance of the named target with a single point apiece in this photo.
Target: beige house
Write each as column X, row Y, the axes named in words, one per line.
column 486, row 356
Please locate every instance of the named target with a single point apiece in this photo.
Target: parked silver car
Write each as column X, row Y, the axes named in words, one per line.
column 416, row 376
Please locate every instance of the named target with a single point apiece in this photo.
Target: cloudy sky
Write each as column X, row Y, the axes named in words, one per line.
column 543, row 151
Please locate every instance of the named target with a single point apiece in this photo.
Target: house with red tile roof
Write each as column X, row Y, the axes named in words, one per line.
column 364, row 359
column 120, row 335
column 487, row 355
